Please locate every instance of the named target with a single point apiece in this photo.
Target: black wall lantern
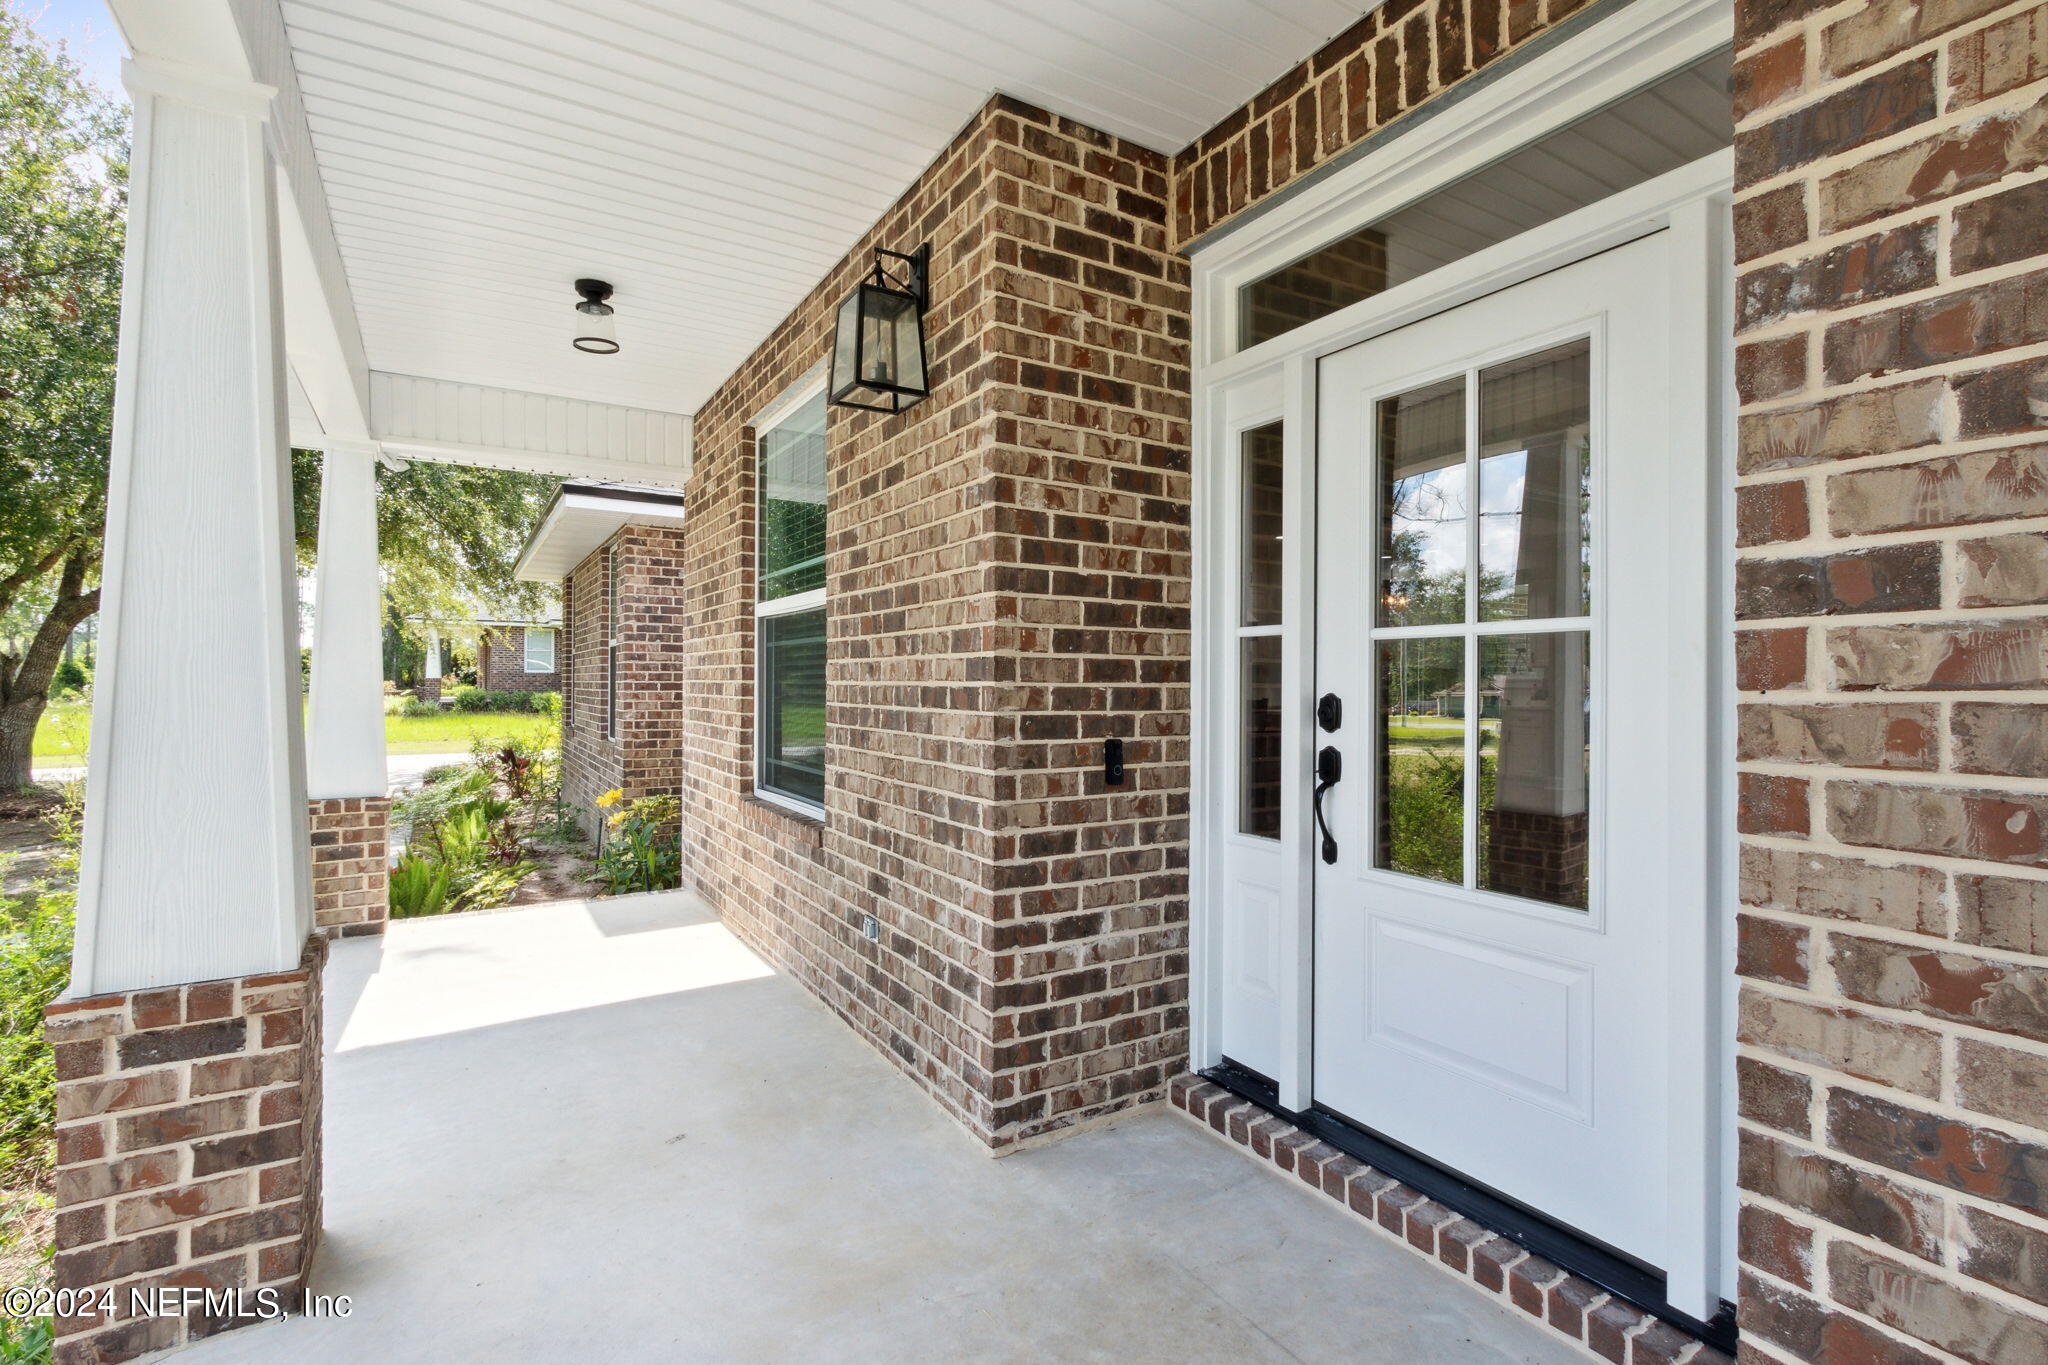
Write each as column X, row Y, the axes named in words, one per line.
column 878, row 344
column 596, row 332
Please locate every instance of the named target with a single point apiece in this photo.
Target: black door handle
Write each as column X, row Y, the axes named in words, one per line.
column 1329, row 772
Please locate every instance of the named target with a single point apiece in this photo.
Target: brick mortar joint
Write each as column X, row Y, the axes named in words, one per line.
column 1889, row 933
column 1833, row 1080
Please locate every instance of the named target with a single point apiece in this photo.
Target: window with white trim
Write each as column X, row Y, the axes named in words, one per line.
column 789, row 607
column 540, row 650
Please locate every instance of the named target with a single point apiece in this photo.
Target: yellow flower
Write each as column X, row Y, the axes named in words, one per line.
column 617, row 820
column 612, row 797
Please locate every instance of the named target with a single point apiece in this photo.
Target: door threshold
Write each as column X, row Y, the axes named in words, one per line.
column 1618, row 1274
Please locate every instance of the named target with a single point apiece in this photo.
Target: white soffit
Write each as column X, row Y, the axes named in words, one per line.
column 582, row 517
column 712, row 159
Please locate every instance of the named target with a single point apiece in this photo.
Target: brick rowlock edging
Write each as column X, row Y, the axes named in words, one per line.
column 1576, row 1309
column 188, row 1157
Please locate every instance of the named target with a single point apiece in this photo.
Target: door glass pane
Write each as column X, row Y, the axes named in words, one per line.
column 1258, row 682
column 792, row 680
column 1260, row 492
column 1534, row 827
column 1680, row 119
column 1422, row 759
column 1423, row 487
column 793, row 503
column 1535, row 486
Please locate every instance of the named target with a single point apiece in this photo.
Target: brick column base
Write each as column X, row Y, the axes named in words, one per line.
column 351, row 876
column 188, row 1157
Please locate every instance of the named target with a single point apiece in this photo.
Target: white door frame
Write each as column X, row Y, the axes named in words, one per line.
column 1585, row 72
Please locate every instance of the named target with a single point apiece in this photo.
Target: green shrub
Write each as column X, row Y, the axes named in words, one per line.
column 475, row 699
column 547, row 704
column 419, row 706
column 469, row 699
column 70, row 677
column 35, row 962
column 25, row 1341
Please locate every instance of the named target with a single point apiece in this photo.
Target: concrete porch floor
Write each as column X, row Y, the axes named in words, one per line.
column 608, row 1131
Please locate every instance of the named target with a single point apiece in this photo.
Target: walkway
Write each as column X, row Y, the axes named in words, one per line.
column 606, row 1131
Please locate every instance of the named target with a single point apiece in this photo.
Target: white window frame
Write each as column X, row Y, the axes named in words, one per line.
column 1520, row 105
column 803, row 391
column 527, row 637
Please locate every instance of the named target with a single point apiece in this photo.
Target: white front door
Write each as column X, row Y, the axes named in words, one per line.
column 1500, row 618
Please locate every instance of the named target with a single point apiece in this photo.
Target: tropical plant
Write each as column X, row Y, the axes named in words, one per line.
column 418, row 886
column 642, row 850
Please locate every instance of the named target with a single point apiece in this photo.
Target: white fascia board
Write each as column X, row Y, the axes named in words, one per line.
column 578, row 522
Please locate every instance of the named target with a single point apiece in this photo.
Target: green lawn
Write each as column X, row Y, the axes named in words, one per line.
column 61, row 737
column 446, row 734
column 61, row 733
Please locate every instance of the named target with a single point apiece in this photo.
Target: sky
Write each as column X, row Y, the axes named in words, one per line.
column 88, row 33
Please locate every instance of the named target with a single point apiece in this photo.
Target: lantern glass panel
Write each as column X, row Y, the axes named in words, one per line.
column 597, row 330
column 845, row 345
column 878, row 357
column 891, row 349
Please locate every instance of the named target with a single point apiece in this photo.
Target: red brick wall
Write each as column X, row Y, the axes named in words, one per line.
column 646, row 757
column 591, row 763
column 1399, row 56
column 501, row 663
column 188, row 1152
column 1007, row 579
column 1892, row 228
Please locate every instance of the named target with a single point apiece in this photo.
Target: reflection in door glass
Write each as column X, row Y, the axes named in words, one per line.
column 1421, row 795
column 1534, row 826
column 1260, row 491
column 1423, row 496
column 1535, row 489
column 1258, row 687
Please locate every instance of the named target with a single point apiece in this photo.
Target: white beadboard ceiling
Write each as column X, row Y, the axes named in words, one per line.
column 711, row 158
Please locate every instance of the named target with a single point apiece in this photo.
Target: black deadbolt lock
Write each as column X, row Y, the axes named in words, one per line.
column 1330, row 712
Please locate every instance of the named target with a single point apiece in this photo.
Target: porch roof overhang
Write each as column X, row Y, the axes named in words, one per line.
column 446, row 172
column 582, row 516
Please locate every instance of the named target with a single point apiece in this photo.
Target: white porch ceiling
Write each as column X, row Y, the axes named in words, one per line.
column 711, row 158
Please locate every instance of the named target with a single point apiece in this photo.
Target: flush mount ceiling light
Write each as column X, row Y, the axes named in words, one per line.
column 596, row 331
column 878, row 344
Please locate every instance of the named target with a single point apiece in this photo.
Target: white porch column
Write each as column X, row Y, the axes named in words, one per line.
column 195, row 859
column 345, row 721
column 434, row 653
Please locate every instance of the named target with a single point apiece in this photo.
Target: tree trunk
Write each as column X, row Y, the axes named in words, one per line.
column 25, row 682
column 18, row 740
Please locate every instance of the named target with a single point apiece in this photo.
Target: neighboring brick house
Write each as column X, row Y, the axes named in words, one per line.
column 615, row 550
column 523, row 657
column 511, row 656
column 1670, row 374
